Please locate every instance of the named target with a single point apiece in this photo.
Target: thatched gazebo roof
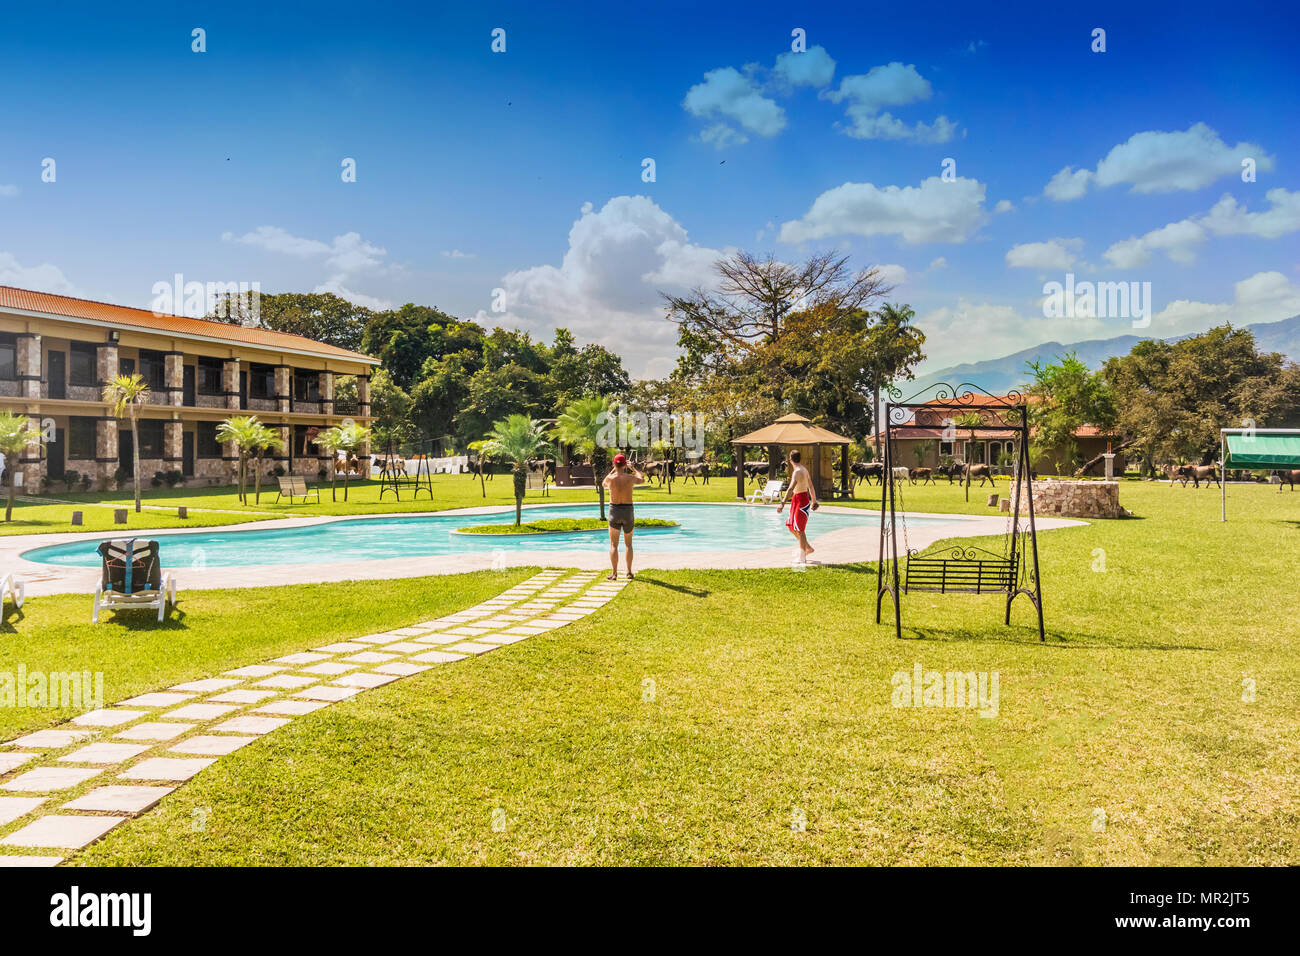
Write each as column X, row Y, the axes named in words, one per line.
column 792, row 430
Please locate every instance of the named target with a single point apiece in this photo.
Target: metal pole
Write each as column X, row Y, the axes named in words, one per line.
column 1223, row 476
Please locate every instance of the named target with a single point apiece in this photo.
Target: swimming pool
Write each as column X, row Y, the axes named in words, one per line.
column 701, row 527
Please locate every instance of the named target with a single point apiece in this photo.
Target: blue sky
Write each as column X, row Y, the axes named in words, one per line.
column 522, row 170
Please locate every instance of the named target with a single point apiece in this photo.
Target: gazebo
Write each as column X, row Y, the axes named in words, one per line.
column 816, row 447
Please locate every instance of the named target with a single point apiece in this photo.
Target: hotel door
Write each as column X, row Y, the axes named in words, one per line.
column 125, row 460
column 55, row 460
column 187, row 454
column 58, row 374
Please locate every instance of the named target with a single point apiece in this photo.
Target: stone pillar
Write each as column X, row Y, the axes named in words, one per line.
column 282, row 386
column 106, row 450
column 173, row 443
column 363, row 395
column 327, row 392
column 29, row 461
column 230, row 383
column 1110, row 464
column 230, row 455
column 29, row 365
column 283, row 457
column 174, row 377
column 106, row 367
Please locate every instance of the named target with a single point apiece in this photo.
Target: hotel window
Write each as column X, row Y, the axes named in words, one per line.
column 151, row 437
column 81, row 363
column 208, row 376
column 205, row 438
column 945, row 448
column 261, row 381
column 153, row 369
column 8, row 356
column 306, row 385
column 81, row 438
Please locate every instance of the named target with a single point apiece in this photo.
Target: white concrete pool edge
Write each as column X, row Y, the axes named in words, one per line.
column 844, row 546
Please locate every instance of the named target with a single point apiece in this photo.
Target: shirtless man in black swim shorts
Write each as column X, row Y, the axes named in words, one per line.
column 620, row 481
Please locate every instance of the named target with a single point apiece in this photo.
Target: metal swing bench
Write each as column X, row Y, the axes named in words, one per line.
column 965, row 569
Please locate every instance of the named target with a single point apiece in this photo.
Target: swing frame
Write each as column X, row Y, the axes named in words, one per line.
column 966, row 569
column 422, row 480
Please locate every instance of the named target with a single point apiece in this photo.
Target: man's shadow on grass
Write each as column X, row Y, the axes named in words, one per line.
column 1027, row 635
column 679, row 588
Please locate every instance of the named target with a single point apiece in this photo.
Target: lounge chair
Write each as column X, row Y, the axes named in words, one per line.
column 13, row 586
column 769, row 493
column 133, row 578
column 295, row 486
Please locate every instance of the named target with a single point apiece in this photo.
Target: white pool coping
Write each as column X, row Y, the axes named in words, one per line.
column 844, row 546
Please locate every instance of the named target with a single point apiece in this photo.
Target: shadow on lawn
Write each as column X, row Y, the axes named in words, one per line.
column 679, row 588
column 1027, row 636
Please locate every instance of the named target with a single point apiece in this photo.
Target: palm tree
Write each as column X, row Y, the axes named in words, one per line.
column 268, row 439
column 584, row 422
column 346, row 438
column 16, row 433
column 126, row 393
column 477, row 447
column 969, row 421
column 517, row 439
column 246, row 432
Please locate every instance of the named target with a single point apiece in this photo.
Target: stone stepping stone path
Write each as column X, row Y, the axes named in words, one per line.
column 62, row 789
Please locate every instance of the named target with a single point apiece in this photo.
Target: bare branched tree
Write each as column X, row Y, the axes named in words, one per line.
column 754, row 296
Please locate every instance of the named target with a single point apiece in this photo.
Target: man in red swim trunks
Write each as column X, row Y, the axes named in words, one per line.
column 803, row 501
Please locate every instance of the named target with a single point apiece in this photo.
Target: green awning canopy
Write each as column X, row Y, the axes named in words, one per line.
column 1262, row 451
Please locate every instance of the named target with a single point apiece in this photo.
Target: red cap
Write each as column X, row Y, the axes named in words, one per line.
column 620, row 460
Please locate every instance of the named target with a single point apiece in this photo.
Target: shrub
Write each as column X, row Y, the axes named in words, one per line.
column 85, row 482
column 70, row 479
column 174, row 477
column 158, row 478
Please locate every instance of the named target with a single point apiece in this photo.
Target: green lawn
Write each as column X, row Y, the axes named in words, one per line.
column 212, row 631
column 702, row 713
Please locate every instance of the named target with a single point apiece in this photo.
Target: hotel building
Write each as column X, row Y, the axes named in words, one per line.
column 57, row 353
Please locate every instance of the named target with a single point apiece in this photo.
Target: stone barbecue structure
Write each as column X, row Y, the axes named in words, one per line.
column 57, row 353
column 1075, row 499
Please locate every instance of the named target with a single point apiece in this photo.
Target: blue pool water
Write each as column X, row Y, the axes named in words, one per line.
column 701, row 527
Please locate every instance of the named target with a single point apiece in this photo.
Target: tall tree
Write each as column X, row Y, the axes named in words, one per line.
column 1173, row 397
column 585, row 426
column 125, row 394
column 322, row 316
column 894, row 349
column 517, row 439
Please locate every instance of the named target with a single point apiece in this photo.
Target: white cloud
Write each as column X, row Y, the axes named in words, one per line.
column 1263, row 297
column 1179, row 240
column 813, row 67
column 1157, row 161
column 1004, row 205
column 347, row 257
column 1068, row 184
column 42, row 278
column 721, row 135
column 457, row 254
column 892, row 274
column 973, row 332
column 1052, row 254
column 728, row 93
column 935, row 264
column 894, row 84
column 935, row 211
column 607, row 288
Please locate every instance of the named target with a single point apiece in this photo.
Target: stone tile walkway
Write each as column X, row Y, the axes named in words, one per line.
column 61, row 789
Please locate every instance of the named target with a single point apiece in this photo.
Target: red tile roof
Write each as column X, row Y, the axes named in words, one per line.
column 121, row 315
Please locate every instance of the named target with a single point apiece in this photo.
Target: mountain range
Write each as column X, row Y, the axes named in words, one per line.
column 1000, row 375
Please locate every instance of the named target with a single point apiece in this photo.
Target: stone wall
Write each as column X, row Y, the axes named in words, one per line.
column 1075, row 499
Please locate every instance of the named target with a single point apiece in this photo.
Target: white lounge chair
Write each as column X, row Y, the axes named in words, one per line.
column 769, row 493
column 14, row 587
column 133, row 578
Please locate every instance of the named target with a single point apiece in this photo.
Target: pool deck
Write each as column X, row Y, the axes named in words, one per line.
column 845, row 546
